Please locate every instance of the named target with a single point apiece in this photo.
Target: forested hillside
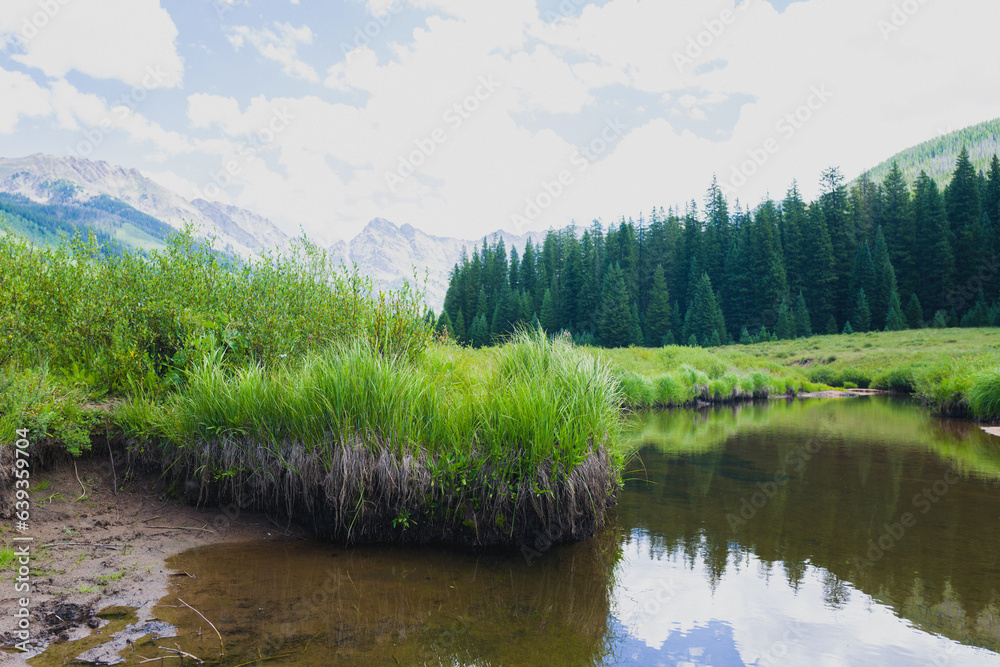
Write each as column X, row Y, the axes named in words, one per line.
column 869, row 256
column 106, row 218
column 937, row 156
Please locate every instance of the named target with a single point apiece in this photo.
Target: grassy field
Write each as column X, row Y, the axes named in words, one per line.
column 956, row 371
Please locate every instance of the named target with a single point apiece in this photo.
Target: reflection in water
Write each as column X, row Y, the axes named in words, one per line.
column 859, row 532
column 375, row 605
column 870, row 500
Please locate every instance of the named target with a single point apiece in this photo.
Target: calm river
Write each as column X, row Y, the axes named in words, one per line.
column 821, row 532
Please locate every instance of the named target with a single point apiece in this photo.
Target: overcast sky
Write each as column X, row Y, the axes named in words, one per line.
column 461, row 117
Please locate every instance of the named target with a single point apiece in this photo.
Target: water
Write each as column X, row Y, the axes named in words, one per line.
column 825, row 532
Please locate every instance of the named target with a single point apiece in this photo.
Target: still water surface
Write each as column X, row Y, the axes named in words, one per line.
column 823, row 532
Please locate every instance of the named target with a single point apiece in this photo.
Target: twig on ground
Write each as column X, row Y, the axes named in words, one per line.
column 84, row 495
column 183, row 528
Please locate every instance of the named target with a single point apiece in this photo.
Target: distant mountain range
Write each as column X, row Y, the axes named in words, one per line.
column 937, row 156
column 43, row 197
column 391, row 254
column 46, row 195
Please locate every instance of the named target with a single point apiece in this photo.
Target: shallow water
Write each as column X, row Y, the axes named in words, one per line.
column 825, row 532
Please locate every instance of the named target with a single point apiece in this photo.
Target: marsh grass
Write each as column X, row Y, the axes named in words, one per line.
column 952, row 370
column 677, row 376
column 461, row 446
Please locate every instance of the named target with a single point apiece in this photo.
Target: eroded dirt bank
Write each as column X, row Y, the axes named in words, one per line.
column 96, row 549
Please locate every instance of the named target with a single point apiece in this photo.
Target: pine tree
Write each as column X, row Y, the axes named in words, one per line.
column 914, row 312
column 898, row 226
column 514, row 275
column 705, row 314
column 570, row 284
column 525, row 309
column 547, row 313
column 939, row 320
column 862, row 276
column 803, row 325
column 785, row 328
column 505, row 314
column 460, row 333
column 480, row 332
column 991, row 197
column 615, row 317
column 831, row 326
column 843, row 236
column 862, row 313
column 635, row 326
column 885, row 281
column 444, row 326
column 964, row 208
column 821, row 277
column 658, row 311
column 528, row 274
column 895, row 320
column 934, row 252
column 848, row 329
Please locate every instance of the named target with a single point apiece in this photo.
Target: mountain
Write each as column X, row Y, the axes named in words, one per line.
column 937, row 156
column 392, row 254
column 53, row 194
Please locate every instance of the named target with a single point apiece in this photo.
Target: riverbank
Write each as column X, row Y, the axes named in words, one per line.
column 95, row 548
column 955, row 372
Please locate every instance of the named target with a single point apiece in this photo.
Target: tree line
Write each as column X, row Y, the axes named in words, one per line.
column 862, row 257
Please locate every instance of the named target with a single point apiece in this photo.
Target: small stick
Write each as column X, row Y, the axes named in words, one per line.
column 114, row 473
column 207, row 621
column 183, row 528
column 84, row 495
column 81, row 544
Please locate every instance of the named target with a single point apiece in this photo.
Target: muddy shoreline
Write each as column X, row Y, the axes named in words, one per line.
column 96, row 549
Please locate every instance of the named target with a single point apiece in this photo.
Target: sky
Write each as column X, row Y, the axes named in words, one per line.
column 462, row 117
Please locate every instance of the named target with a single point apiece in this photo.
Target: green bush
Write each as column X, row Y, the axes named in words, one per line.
column 51, row 411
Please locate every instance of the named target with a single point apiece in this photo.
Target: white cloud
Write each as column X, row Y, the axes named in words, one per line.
column 326, row 169
column 280, row 46
column 125, row 40
column 21, row 97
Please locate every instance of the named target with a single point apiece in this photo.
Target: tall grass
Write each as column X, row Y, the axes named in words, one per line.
column 389, row 447
column 676, row 376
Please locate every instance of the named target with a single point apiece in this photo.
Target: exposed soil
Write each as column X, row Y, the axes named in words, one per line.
column 99, row 549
